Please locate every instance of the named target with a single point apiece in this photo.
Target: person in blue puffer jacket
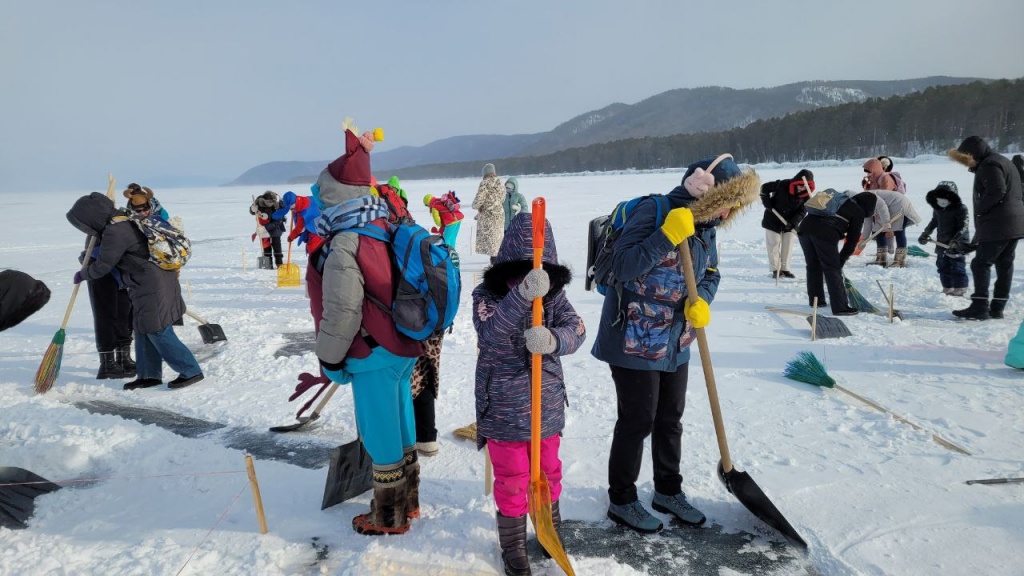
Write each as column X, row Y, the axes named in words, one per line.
column 647, row 327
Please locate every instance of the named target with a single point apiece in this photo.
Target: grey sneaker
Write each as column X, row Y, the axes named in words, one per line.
column 678, row 507
column 635, row 516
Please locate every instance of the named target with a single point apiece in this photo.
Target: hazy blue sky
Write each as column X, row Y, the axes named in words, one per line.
column 201, row 90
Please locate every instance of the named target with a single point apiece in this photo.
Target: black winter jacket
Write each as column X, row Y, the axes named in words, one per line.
column 952, row 223
column 155, row 292
column 777, row 195
column 998, row 199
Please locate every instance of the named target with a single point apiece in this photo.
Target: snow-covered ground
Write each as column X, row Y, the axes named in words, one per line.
column 871, row 495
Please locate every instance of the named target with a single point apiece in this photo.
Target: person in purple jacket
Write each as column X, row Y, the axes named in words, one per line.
column 502, row 313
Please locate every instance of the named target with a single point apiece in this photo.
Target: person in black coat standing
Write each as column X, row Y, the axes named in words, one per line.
column 998, row 225
column 155, row 292
column 783, row 202
column 819, row 238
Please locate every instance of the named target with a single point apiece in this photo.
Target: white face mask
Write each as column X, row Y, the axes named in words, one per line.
column 941, row 202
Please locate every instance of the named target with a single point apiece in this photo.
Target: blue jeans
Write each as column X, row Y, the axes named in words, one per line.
column 952, row 271
column 155, row 348
column 382, row 392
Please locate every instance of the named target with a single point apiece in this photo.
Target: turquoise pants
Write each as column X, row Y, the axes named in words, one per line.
column 383, row 397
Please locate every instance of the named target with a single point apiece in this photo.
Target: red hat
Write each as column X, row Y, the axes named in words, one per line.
column 352, row 167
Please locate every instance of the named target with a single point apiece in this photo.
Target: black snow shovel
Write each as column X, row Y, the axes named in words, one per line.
column 210, row 333
column 18, row 490
column 350, row 474
column 740, row 484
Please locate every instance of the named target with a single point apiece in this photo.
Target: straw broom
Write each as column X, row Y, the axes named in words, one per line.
column 49, row 368
column 857, row 300
column 807, row 368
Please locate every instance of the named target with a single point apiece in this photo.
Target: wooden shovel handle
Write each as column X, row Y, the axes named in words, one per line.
column 705, row 360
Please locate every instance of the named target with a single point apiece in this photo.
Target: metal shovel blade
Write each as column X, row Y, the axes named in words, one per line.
column 741, row 485
column 302, row 421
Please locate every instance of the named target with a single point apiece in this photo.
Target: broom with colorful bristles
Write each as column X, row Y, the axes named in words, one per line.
column 49, row 368
column 857, row 300
column 807, row 368
column 917, row 251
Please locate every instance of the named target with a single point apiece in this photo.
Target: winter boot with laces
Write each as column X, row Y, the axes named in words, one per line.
column 387, row 509
column 635, row 516
column 109, row 368
column 512, row 539
column 678, row 507
column 123, row 355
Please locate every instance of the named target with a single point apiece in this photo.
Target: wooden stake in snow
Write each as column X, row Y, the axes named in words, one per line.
column 256, row 498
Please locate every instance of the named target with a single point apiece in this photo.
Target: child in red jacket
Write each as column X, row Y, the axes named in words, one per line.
column 447, row 215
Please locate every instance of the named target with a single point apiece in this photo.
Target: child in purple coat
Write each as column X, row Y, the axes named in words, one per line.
column 502, row 314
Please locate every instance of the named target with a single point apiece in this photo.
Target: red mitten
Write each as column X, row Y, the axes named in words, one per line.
column 307, row 381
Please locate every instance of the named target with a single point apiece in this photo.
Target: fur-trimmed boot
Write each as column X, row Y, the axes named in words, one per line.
column 412, row 482
column 881, row 258
column 387, row 509
column 123, row 355
column 512, row 539
column 900, row 259
column 109, row 368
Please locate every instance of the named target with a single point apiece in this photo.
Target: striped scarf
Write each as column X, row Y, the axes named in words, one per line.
column 354, row 213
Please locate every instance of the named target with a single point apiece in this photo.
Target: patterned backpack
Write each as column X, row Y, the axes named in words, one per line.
column 168, row 247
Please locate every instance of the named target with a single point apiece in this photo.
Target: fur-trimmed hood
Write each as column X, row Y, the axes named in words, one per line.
column 515, row 258
column 734, row 188
column 971, row 151
column 945, row 191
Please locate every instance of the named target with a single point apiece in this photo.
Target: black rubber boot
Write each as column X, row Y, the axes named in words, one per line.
column 123, row 355
column 995, row 309
column 109, row 368
column 512, row 539
column 978, row 310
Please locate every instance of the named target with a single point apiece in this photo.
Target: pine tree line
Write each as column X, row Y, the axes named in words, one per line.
column 927, row 122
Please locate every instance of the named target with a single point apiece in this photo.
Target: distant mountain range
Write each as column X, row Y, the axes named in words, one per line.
column 681, row 111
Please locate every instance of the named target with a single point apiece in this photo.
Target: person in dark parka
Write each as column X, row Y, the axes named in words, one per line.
column 819, row 239
column 951, row 224
column 20, row 297
column 998, row 225
column 155, row 292
column 783, row 202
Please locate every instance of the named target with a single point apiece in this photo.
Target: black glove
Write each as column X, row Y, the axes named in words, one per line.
column 923, row 239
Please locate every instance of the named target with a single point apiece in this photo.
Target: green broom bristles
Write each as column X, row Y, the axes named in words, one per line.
column 50, row 366
column 806, row 368
column 917, row 251
column 857, row 300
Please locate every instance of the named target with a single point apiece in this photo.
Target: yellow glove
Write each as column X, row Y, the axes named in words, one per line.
column 698, row 313
column 678, row 225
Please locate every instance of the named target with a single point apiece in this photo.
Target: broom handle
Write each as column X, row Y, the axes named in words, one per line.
column 705, row 360
column 938, row 439
column 85, row 260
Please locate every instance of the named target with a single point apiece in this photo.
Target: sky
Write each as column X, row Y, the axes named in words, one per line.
column 870, row 495
column 195, row 93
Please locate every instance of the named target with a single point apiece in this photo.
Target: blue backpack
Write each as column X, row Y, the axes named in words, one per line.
column 605, row 231
column 427, row 279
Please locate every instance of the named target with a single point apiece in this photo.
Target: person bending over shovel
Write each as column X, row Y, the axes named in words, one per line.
column 645, row 334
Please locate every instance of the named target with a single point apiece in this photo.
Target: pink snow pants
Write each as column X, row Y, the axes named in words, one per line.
column 511, row 461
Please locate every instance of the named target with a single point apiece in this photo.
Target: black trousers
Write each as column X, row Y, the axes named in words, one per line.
column 423, row 409
column 275, row 250
column 822, row 258
column 650, row 403
column 1001, row 254
column 111, row 314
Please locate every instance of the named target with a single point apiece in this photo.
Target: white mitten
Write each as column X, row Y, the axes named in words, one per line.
column 536, row 284
column 540, row 340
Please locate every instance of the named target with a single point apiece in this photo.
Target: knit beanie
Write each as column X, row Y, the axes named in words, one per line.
column 489, row 170
column 352, row 167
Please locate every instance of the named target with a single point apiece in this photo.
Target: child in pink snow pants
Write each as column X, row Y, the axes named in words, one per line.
column 502, row 313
